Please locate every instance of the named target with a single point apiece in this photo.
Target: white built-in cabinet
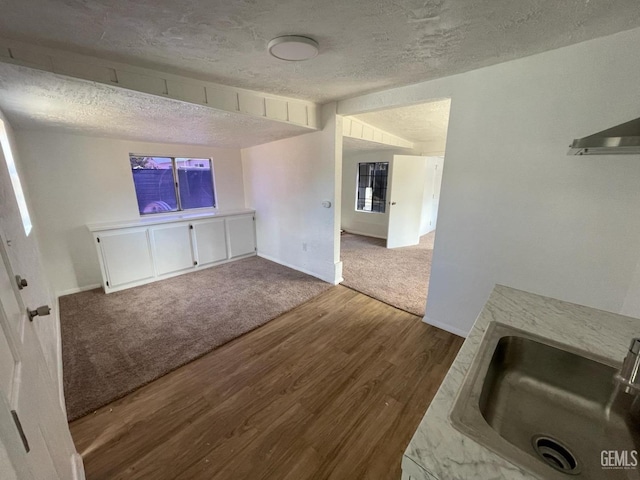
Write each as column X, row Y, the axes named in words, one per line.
column 139, row 252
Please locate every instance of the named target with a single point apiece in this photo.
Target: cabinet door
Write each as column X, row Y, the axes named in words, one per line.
column 172, row 248
column 241, row 235
column 127, row 256
column 210, row 241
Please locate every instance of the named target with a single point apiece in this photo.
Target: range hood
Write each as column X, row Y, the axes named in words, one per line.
column 618, row 140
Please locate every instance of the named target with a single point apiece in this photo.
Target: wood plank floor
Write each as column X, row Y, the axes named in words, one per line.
column 333, row 389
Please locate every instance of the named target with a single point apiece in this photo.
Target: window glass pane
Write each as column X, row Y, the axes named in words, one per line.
column 196, row 182
column 155, row 184
column 371, row 195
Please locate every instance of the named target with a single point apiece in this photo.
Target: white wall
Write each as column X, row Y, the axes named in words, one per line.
column 286, row 182
column 515, row 209
column 78, row 180
column 431, row 195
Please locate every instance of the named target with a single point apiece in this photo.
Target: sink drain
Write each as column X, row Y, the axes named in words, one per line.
column 556, row 455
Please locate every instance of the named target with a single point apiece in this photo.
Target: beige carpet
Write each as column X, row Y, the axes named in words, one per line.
column 113, row 344
column 397, row 276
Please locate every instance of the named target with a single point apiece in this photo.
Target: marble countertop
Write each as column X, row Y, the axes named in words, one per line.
column 439, row 451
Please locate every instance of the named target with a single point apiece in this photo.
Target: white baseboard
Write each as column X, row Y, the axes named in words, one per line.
column 357, row 232
column 324, row 278
column 77, row 466
column 77, row 290
column 444, row 326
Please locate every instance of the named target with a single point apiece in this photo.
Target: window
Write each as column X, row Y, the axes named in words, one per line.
column 169, row 184
column 15, row 179
column 371, row 195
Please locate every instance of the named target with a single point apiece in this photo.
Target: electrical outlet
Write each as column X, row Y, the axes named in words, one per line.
column 304, row 246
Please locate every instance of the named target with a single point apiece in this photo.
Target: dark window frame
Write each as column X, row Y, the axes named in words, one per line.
column 374, row 175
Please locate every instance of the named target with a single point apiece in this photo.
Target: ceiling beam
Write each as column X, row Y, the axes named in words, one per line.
column 185, row 89
column 353, row 128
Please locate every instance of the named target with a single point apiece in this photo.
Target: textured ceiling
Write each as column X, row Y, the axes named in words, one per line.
column 424, row 123
column 364, row 45
column 33, row 99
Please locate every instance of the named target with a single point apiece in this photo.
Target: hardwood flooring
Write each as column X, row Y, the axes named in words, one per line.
column 333, row 389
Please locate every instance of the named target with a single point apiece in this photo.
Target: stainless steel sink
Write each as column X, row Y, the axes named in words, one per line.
column 547, row 408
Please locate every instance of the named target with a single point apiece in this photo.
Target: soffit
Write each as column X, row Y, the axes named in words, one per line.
column 424, row 123
column 33, row 99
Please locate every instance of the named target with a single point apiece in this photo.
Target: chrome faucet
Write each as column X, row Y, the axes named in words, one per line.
column 629, row 375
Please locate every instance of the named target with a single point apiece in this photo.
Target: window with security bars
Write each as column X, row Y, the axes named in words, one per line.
column 371, row 195
column 169, row 184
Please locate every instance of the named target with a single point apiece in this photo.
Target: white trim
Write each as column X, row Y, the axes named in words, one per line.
column 356, row 232
column 77, row 467
column 299, row 269
column 445, row 327
column 77, row 290
column 370, row 133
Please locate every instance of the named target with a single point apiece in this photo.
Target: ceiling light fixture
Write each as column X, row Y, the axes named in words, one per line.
column 293, row 48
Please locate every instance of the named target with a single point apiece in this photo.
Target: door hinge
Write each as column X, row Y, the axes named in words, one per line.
column 23, row 437
column 98, row 239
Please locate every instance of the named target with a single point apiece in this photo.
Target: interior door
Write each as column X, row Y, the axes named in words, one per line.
column 33, row 431
column 404, row 200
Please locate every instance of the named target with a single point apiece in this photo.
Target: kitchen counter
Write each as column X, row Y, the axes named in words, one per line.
column 439, row 451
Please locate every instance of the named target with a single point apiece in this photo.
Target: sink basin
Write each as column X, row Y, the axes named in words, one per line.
column 548, row 408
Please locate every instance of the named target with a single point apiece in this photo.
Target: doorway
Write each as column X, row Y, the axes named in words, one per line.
column 392, row 168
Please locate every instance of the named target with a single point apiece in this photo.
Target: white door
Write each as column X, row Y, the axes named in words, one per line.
column 34, row 436
column 404, row 200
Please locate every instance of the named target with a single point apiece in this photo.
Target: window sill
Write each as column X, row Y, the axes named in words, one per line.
column 166, row 218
